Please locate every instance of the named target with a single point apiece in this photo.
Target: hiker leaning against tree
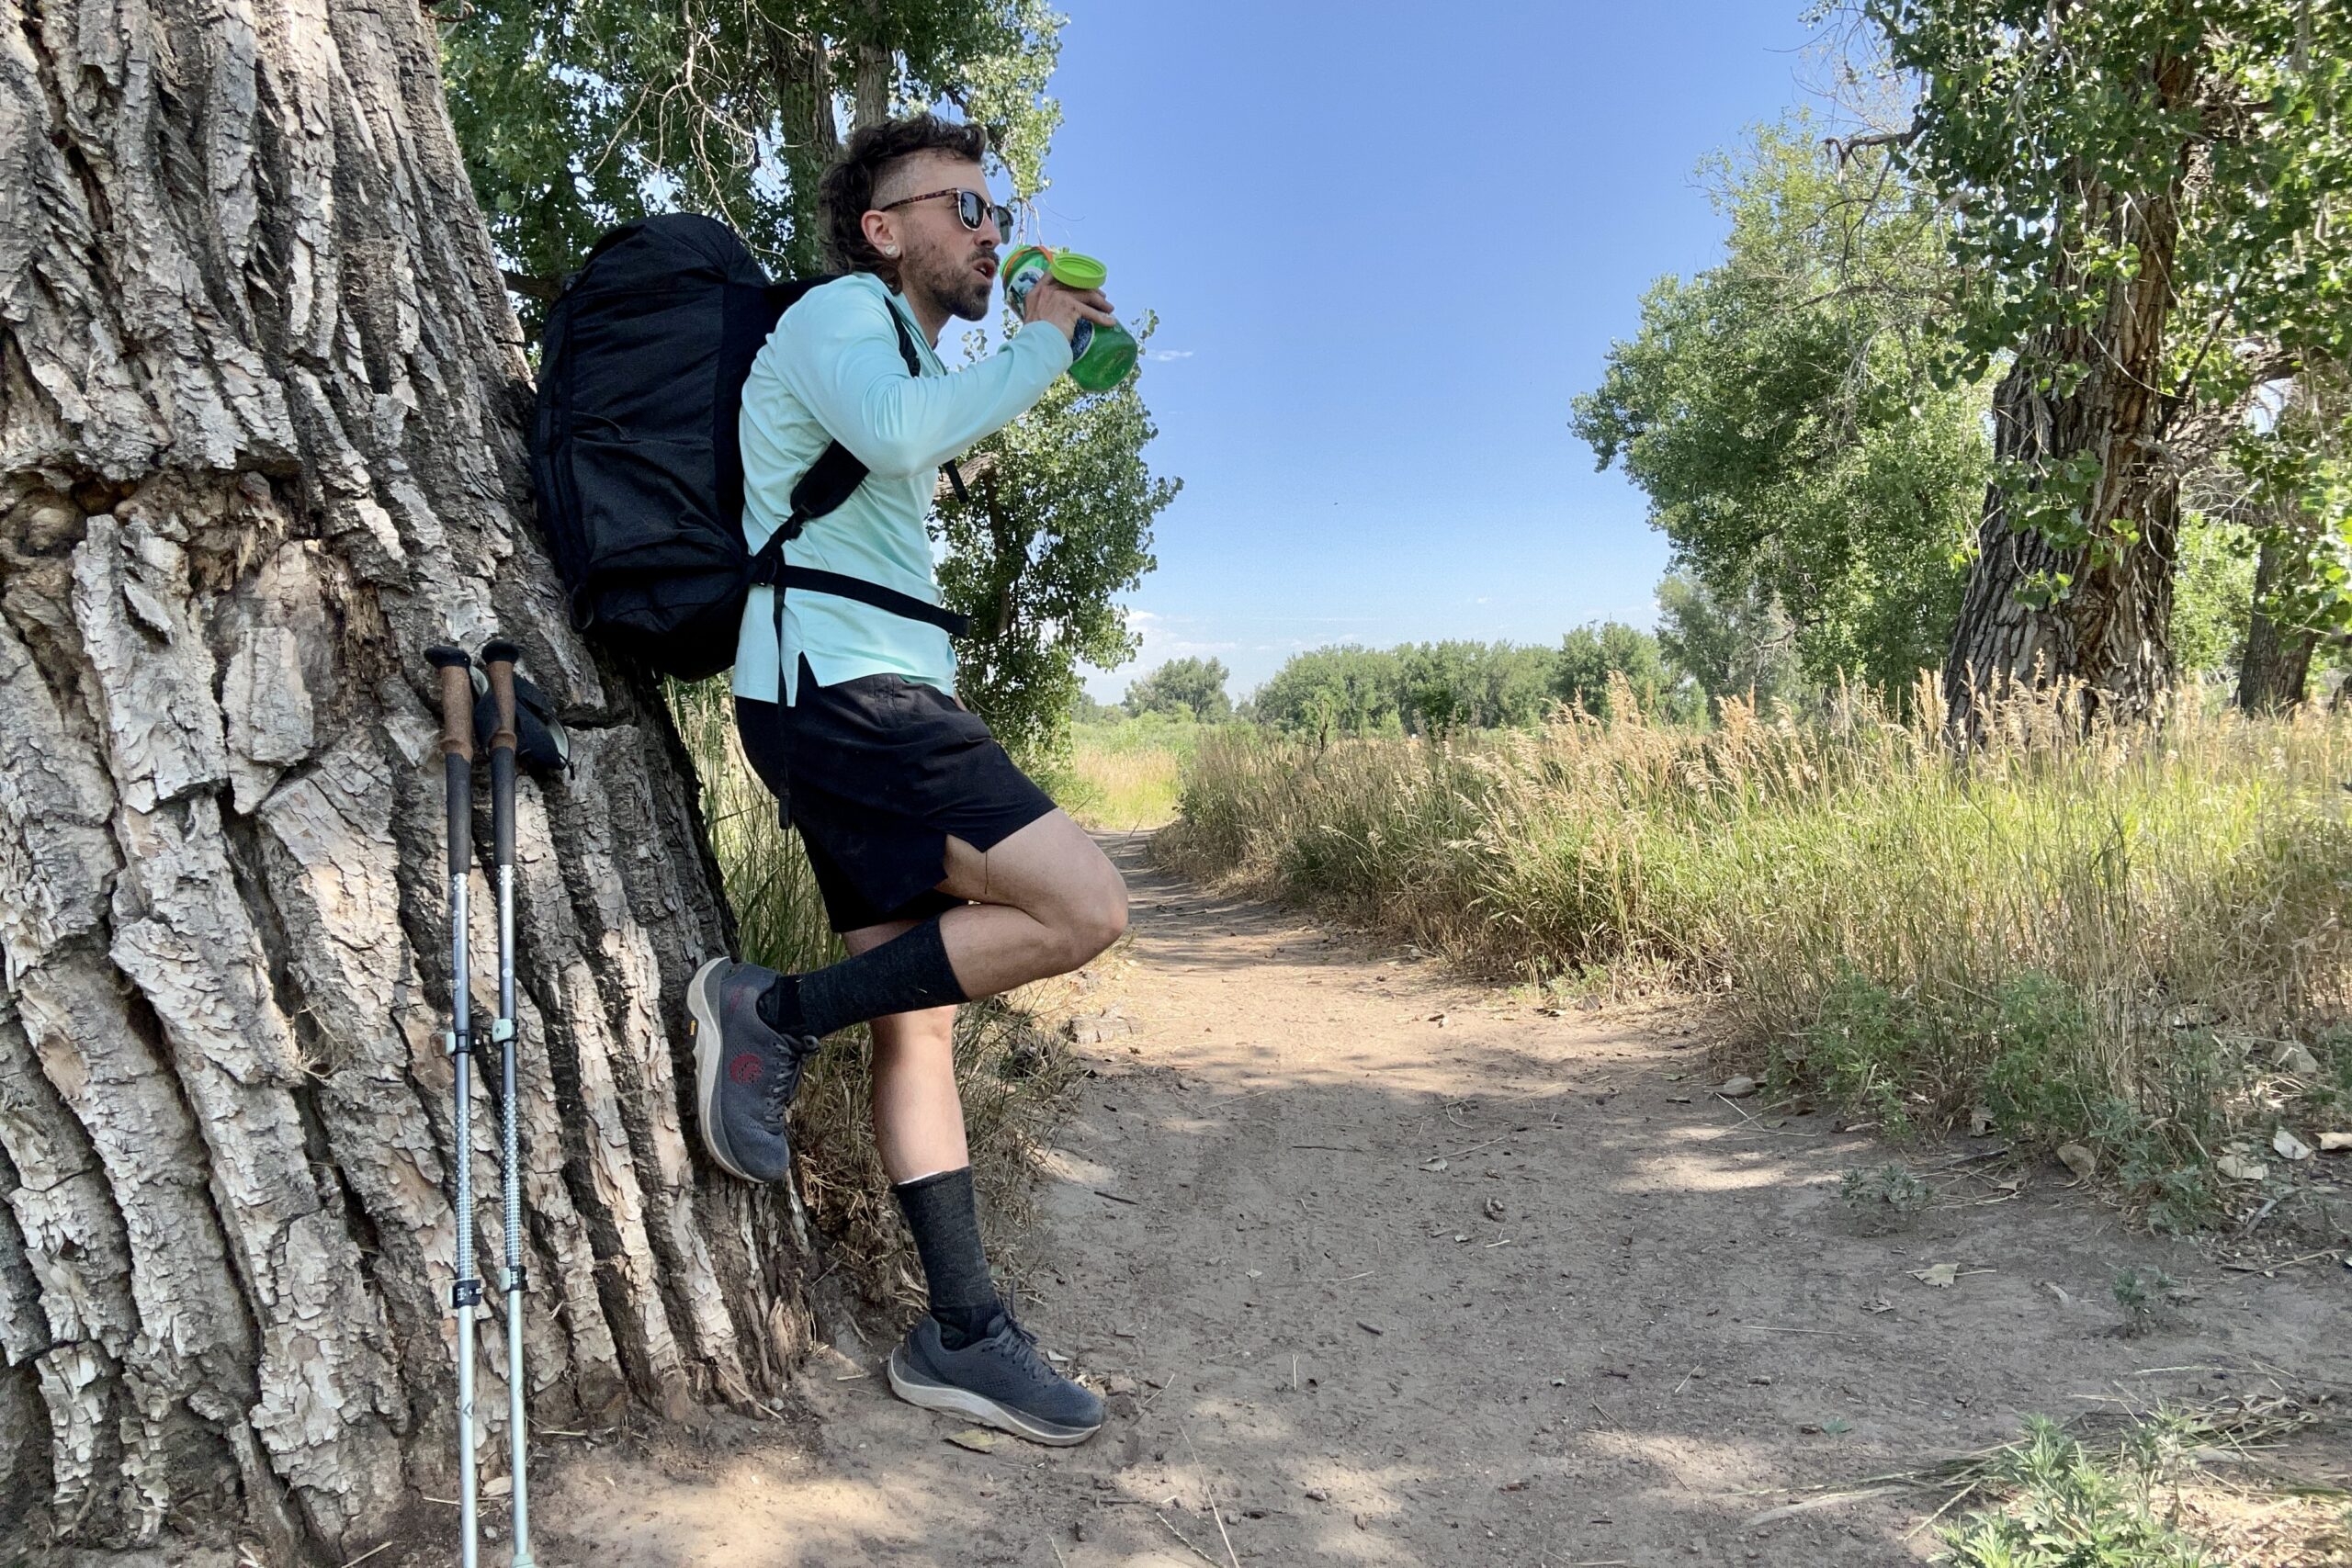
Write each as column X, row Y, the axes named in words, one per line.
column 949, row 875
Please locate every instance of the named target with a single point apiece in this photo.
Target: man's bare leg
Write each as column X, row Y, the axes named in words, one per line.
column 917, row 1116
column 1044, row 901
column 968, row 1357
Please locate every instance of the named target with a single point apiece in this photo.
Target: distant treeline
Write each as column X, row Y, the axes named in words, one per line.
column 1436, row 688
column 1703, row 650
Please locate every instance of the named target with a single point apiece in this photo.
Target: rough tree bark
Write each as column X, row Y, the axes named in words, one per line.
column 2277, row 670
column 877, row 67
column 260, row 393
column 804, row 90
column 2110, row 630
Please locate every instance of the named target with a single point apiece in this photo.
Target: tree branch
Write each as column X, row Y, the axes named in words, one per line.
column 1846, row 147
column 544, row 289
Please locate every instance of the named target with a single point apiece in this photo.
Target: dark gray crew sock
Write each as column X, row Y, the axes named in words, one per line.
column 904, row 973
column 942, row 1212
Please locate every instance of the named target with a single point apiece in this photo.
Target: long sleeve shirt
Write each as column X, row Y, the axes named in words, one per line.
column 832, row 371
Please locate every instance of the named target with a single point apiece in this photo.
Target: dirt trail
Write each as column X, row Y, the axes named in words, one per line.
column 1613, row 1328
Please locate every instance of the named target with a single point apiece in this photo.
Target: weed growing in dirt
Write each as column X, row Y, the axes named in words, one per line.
column 1007, row 1070
column 2145, row 1295
column 2068, row 1508
column 1885, row 1197
column 2099, row 934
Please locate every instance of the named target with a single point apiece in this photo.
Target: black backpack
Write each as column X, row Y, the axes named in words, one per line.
column 634, row 450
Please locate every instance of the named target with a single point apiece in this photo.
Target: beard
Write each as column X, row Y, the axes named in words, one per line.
column 950, row 280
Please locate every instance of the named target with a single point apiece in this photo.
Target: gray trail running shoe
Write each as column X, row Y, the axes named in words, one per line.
column 745, row 1073
column 1002, row 1380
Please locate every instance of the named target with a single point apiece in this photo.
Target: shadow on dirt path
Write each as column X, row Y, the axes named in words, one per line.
column 1391, row 1270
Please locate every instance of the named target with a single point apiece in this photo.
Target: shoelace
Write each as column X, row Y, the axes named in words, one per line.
column 777, row 1089
column 1020, row 1347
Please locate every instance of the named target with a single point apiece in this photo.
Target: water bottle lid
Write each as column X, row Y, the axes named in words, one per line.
column 1020, row 258
column 1075, row 271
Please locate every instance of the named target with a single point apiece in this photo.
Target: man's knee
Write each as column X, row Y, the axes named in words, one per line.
column 1095, row 920
column 912, row 1038
column 1111, row 918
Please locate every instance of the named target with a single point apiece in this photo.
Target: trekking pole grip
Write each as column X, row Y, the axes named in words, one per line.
column 457, row 701
column 498, row 660
column 457, row 749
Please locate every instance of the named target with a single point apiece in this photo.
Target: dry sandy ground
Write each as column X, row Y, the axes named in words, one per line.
column 1614, row 1325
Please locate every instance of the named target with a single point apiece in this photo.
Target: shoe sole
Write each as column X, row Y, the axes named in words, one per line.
column 707, row 1053
column 979, row 1407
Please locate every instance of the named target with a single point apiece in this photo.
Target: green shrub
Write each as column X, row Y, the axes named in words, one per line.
column 2071, row 1508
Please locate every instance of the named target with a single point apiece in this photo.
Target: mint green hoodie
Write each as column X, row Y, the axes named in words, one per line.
column 832, row 371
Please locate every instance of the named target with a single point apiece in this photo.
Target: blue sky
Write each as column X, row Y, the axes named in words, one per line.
column 1387, row 244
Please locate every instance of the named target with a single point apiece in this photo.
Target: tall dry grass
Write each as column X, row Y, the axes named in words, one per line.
column 1125, row 776
column 2118, row 937
column 1007, row 1069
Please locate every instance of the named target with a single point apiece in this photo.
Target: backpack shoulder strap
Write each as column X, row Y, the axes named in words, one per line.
column 914, row 369
column 906, row 341
column 834, row 476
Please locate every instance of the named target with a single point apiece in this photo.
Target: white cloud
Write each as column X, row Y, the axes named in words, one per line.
column 1163, row 638
column 1163, row 355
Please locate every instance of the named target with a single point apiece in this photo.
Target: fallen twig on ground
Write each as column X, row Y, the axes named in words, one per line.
column 1180, row 1535
column 1489, row 1144
column 1233, row 1557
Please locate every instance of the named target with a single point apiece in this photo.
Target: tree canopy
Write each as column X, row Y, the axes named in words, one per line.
column 1735, row 644
column 1778, row 410
column 1058, row 524
column 1437, row 688
column 2148, row 227
column 1593, row 660
column 579, row 116
column 1187, row 688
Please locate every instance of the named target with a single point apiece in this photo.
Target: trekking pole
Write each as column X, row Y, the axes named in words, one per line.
column 457, row 766
column 498, row 659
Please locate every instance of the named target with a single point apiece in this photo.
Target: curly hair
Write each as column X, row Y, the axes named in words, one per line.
column 846, row 193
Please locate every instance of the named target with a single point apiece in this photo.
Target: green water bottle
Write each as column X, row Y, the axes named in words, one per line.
column 1100, row 357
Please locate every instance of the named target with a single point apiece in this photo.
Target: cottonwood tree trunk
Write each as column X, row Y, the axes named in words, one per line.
column 2277, row 670
column 803, row 91
column 260, row 395
column 2109, row 630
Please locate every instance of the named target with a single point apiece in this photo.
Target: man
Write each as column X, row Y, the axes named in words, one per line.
column 947, row 873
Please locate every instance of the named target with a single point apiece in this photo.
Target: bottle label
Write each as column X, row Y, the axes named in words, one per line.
column 1022, row 272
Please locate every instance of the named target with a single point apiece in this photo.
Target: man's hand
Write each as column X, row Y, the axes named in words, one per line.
column 1065, row 306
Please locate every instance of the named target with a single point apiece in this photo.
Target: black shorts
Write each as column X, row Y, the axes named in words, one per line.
column 875, row 774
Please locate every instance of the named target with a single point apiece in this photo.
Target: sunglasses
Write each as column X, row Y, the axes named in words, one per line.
column 971, row 208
